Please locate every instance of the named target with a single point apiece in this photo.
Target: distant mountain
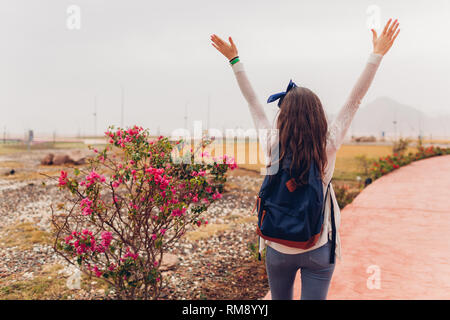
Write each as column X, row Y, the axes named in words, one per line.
column 379, row 115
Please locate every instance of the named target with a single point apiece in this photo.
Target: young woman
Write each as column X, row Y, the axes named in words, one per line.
column 303, row 132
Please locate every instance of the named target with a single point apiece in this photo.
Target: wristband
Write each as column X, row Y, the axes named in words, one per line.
column 235, row 60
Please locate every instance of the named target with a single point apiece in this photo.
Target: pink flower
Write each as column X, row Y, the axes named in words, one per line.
column 94, row 177
column 163, row 230
column 106, row 238
column 67, row 239
column 97, row 272
column 86, row 206
column 63, row 178
column 154, row 236
column 232, row 166
column 217, row 195
column 131, row 255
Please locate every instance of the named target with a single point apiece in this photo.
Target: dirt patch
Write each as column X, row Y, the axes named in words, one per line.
column 246, row 280
column 24, row 236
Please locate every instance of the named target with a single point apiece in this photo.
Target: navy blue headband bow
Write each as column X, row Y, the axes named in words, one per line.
column 281, row 95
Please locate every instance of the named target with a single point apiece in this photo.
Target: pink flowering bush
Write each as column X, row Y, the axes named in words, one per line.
column 389, row 163
column 130, row 204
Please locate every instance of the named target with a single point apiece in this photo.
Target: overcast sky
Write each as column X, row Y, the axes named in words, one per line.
column 160, row 51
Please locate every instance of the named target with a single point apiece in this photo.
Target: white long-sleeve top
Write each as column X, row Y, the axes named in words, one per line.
column 336, row 134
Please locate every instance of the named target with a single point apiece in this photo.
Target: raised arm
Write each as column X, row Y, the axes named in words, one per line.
column 256, row 109
column 341, row 123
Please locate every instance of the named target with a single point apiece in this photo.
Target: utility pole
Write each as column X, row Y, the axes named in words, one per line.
column 95, row 116
column 208, row 114
column 4, row 135
column 395, row 125
column 122, row 106
column 420, row 126
column 186, row 116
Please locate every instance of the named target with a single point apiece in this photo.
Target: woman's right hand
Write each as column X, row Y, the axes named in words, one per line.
column 384, row 42
column 228, row 50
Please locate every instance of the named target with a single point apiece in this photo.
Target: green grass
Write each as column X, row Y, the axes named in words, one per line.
column 24, row 235
column 348, row 167
column 46, row 284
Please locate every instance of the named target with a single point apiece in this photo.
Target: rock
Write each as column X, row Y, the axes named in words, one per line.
column 169, row 261
column 80, row 161
column 62, row 159
column 8, row 172
column 73, row 282
column 28, row 275
column 48, row 159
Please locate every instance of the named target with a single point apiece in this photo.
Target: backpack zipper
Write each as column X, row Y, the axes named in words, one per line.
column 263, row 215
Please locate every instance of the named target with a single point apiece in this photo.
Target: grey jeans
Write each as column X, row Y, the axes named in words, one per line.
column 315, row 268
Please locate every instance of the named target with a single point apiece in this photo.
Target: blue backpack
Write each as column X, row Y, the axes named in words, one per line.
column 291, row 214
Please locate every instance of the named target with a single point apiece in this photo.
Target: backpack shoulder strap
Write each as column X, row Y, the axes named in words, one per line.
column 333, row 229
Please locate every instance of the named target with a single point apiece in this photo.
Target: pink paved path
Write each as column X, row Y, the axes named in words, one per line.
column 400, row 223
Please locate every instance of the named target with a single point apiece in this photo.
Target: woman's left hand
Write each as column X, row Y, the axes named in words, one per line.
column 228, row 50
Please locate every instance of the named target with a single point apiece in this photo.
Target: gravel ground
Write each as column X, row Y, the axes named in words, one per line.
column 221, row 266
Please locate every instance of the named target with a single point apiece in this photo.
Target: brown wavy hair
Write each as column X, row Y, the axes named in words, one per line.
column 302, row 130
